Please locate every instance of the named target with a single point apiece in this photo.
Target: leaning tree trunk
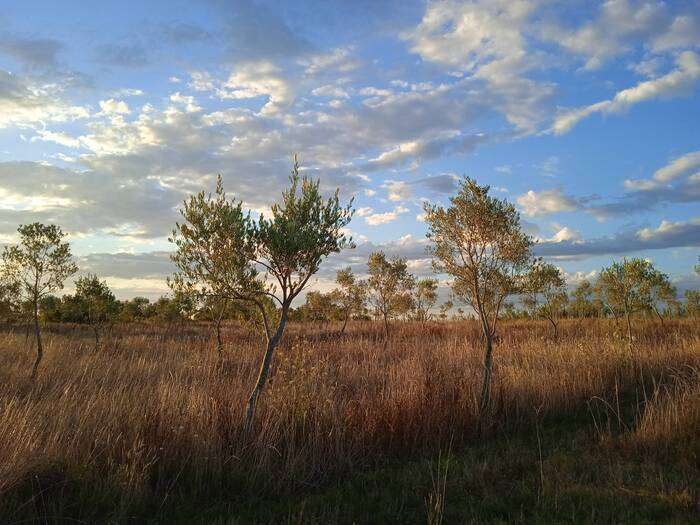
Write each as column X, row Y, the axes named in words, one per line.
column 555, row 329
column 488, row 368
column 629, row 328
column 219, row 342
column 264, row 370
column 345, row 322
column 661, row 317
column 96, row 330
column 39, row 346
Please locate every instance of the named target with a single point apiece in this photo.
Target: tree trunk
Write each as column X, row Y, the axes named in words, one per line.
column 219, row 342
column 345, row 322
column 554, row 329
column 39, row 346
column 264, row 369
column 488, row 366
column 661, row 317
column 386, row 331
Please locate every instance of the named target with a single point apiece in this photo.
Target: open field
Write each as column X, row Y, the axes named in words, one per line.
column 583, row 429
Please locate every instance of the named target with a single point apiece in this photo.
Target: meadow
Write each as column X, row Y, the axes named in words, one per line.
column 149, row 426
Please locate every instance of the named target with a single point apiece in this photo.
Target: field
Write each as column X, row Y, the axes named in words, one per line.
column 149, row 426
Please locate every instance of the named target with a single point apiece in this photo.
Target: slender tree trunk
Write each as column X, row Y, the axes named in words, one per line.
column 661, row 317
column 264, row 370
column 488, row 368
column 386, row 330
column 39, row 346
column 554, row 329
column 219, row 342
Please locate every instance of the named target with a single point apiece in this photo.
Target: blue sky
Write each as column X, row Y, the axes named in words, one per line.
column 584, row 114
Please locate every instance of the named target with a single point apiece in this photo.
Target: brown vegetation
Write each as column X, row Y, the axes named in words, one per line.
column 156, row 414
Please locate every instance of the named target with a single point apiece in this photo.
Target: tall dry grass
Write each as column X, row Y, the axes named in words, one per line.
column 154, row 414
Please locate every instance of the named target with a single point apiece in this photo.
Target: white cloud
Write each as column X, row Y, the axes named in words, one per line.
column 545, row 202
column 259, row 79
column 377, row 219
column 674, row 83
column 112, row 107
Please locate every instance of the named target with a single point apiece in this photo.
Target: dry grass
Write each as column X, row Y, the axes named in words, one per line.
column 154, row 415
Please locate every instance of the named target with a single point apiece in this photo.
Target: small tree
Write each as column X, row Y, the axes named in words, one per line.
column 478, row 241
column 213, row 255
column 659, row 290
column 36, row 267
column 220, row 249
column 624, row 289
column 388, row 285
column 545, row 293
column 350, row 296
column 445, row 309
column 97, row 301
column 692, row 303
column 582, row 303
column 425, row 295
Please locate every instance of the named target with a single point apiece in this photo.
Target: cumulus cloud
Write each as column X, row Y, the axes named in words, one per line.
column 535, row 203
column 378, row 219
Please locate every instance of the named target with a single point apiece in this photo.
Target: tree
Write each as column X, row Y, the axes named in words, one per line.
column 319, row 306
column 37, row 266
column 9, row 307
column 659, row 289
column 692, row 303
column 582, row 302
column 445, row 308
column 350, row 296
column 624, row 288
column 219, row 250
column 424, row 298
column 545, row 292
column 388, row 285
column 98, row 302
column 478, row 241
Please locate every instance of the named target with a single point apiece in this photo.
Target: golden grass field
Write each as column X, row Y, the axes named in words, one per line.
column 150, row 425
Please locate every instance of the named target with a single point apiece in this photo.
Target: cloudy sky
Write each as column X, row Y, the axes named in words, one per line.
column 585, row 114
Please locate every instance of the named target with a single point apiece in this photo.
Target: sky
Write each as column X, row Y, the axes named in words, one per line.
column 584, row 114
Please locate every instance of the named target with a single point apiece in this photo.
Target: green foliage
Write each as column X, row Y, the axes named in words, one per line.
column 221, row 251
column 583, row 301
column 97, row 300
column 351, row 294
column 425, row 296
column 478, row 241
column 39, row 264
column 214, row 249
column 633, row 285
column 301, row 231
column 389, row 285
column 692, row 303
column 544, row 291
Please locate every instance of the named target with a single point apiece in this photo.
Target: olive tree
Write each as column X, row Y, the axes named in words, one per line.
column 350, row 296
column 226, row 253
column 478, row 241
column 388, row 285
column 624, row 289
column 37, row 266
column 213, row 253
column 582, row 300
column 425, row 295
column 97, row 301
column 659, row 290
column 544, row 292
